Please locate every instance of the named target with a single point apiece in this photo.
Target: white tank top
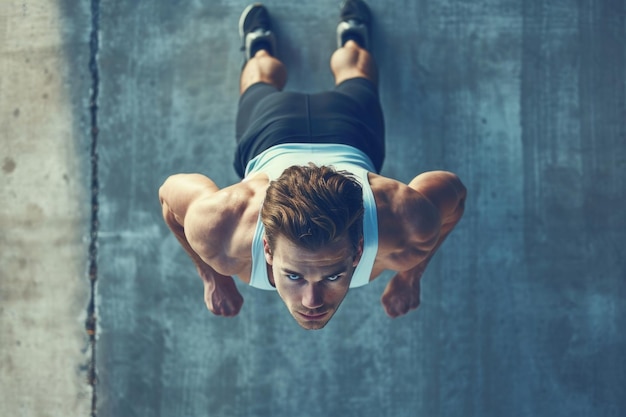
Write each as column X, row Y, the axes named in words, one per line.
column 275, row 160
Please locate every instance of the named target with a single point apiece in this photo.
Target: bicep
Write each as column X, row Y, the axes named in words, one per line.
column 416, row 227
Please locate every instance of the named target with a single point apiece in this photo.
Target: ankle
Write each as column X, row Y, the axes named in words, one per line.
column 352, row 43
column 261, row 53
column 261, row 47
column 353, row 40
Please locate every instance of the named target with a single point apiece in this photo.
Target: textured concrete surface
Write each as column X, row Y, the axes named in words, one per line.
column 522, row 310
column 44, row 292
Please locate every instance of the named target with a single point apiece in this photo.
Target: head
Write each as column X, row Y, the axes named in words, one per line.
column 313, row 218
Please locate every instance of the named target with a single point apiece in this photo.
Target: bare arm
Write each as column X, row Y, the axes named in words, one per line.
column 447, row 194
column 177, row 195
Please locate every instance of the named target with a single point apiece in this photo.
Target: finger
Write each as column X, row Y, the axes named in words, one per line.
column 392, row 307
column 228, row 307
column 393, row 313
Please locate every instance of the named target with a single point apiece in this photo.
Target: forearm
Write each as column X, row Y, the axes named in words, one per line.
column 179, row 232
column 417, row 271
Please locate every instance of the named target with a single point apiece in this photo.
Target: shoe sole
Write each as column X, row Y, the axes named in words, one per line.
column 367, row 11
column 243, row 16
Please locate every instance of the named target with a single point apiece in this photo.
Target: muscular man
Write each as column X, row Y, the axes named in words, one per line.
column 312, row 217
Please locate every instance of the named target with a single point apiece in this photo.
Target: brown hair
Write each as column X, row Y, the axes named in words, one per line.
column 312, row 207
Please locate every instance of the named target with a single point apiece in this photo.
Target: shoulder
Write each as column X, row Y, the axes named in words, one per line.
column 220, row 226
column 405, row 203
column 408, row 222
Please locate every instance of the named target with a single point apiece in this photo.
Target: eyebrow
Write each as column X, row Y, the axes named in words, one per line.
column 289, row 271
column 342, row 270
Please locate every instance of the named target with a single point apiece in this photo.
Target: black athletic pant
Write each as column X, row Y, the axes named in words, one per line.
column 350, row 114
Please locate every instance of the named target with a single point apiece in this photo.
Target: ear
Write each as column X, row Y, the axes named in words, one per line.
column 359, row 253
column 267, row 251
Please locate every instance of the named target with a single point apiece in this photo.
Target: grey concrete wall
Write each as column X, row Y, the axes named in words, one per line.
column 522, row 309
column 44, row 211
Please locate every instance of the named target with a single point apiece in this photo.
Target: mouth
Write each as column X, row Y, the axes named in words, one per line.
column 313, row 317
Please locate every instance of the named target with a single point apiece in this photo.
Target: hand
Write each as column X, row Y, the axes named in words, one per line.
column 221, row 295
column 401, row 295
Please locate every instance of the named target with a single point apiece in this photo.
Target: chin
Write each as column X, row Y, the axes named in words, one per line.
column 312, row 326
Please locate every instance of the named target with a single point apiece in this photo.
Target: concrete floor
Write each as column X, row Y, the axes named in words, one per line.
column 522, row 310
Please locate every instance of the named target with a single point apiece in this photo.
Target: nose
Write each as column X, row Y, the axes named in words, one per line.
column 312, row 297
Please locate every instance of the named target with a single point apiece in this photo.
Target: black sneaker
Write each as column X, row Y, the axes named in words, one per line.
column 355, row 19
column 255, row 30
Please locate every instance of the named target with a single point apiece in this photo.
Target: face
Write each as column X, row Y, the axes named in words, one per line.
column 312, row 284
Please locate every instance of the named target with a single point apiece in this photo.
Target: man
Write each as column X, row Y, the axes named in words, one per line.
column 311, row 217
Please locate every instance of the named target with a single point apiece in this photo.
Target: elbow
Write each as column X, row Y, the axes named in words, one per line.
column 166, row 188
column 452, row 206
column 460, row 196
column 461, row 191
column 162, row 195
column 163, row 190
column 164, row 199
column 455, row 182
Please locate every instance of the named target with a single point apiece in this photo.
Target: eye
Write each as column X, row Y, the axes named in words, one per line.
column 293, row 277
column 333, row 277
